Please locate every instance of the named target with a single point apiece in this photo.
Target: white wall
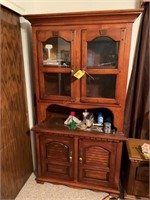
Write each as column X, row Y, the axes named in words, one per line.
column 53, row 6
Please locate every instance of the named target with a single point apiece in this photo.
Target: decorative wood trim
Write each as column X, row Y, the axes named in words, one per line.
column 100, row 137
column 88, row 17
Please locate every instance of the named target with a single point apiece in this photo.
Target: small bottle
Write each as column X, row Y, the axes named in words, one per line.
column 85, row 113
column 88, row 121
column 72, row 123
column 107, row 127
column 100, row 119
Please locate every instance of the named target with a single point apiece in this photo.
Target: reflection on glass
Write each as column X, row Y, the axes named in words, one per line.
column 102, row 86
column 102, row 52
column 57, row 84
column 56, row 52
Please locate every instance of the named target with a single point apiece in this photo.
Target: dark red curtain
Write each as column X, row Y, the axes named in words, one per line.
column 137, row 112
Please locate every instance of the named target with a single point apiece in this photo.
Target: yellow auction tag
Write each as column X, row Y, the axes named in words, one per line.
column 79, row 74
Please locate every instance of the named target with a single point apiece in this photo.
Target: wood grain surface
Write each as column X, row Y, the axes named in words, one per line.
column 15, row 145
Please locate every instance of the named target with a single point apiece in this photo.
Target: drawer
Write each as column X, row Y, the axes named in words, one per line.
column 142, row 173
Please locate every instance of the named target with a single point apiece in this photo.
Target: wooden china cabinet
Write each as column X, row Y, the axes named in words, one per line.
column 95, row 45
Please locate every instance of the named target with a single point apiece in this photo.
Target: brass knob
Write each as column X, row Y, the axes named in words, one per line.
column 70, row 156
column 80, row 159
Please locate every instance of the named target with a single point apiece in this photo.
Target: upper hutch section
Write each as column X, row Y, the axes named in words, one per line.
column 96, row 43
column 81, row 59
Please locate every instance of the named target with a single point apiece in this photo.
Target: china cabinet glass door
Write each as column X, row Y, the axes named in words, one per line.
column 56, row 58
column 100, row 53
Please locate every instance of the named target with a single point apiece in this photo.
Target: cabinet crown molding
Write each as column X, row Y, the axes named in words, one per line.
column 88, row 17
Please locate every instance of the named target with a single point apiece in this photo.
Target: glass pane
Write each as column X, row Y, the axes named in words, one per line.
column 56, row 52
column 57, row 84
column 102, row 86
column 102, row 52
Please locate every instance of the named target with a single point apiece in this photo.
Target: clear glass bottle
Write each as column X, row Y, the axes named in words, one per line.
column 85, row 113
column 100, row 119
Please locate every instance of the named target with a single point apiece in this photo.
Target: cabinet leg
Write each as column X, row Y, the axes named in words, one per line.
column 39, row 181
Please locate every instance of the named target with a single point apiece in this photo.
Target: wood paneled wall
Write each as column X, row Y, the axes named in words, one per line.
column 15, row 145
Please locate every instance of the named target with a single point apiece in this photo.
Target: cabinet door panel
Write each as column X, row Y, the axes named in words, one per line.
column 57, row 84
column 102, row 61
column 97, row 163
column 97, row 86
column 56, row 60
column 93, row 174
column 56, row 156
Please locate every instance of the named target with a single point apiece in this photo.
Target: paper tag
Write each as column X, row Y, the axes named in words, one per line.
column 79, row 74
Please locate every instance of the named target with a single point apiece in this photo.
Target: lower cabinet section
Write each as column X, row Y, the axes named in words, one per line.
column 80, row 161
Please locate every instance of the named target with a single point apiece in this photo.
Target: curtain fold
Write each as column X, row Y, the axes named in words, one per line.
column 137, row 112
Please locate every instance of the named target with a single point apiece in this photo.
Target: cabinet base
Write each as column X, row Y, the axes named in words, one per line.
column 39, row 181
column 112, row 192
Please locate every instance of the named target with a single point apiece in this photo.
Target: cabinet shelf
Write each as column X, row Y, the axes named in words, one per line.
column 55, row 125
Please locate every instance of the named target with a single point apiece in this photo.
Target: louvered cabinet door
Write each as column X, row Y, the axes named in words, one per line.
column 56, row 157
column 97, row 162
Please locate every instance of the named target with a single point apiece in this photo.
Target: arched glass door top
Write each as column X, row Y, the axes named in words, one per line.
column 102, row 52
column 56, row 52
